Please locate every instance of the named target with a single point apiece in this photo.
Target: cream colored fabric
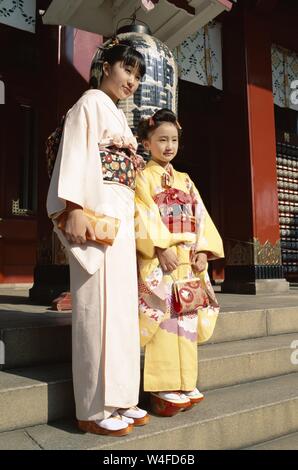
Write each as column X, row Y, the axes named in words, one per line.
column 77, row 174
column 105, row 330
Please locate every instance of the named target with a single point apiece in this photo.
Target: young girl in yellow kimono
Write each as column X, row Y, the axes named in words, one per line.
column 175, row 238
column 95, row 169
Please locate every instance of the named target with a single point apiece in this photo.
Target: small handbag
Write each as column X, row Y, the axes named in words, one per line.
column 189, row 295
column 207, row 319
column 105, row 227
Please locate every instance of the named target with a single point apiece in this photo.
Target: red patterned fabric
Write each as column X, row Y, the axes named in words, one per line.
column 52, row 146
column 177, row 210
column 173, row 196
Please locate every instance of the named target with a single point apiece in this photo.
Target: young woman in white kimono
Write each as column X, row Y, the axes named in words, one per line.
column 95, row 169
column 175, row 238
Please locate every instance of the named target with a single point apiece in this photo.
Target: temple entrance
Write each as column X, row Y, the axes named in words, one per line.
column 199, row 109
column 18, row 170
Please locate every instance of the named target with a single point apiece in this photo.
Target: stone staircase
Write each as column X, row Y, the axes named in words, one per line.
column 248, row 374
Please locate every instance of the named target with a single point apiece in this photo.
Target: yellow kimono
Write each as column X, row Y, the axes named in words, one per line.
column 169, row 213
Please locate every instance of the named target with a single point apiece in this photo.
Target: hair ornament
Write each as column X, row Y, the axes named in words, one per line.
column 99, row 58
column 151, row 122
column 114, row 42
column 101, row 48
column 178, row 125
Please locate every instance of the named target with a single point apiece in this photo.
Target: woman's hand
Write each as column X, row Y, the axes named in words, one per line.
column 199, row 261
column 77, row 226
column 168, row 260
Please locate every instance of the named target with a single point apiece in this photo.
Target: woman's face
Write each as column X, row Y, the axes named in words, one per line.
column 120, row 81
column 163, row 143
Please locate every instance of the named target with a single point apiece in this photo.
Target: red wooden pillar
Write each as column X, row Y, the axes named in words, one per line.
column 261, row 128
column 250, row 207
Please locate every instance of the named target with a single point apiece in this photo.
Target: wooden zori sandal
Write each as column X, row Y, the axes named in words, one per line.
column 140, row 417
column 112, row 426
column 169, row 403
column 195, row 396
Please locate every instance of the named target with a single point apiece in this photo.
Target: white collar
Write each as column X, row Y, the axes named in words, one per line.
column 110, row 103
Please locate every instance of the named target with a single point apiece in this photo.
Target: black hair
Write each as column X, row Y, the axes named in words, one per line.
column 124, row 51
column 148, row 125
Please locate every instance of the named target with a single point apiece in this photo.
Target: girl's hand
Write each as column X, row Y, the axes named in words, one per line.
column 168, row 260
column 78, row 226
column 199, row 261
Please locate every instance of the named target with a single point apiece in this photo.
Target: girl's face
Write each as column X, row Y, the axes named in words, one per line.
column 120, row 81
column 163, row 143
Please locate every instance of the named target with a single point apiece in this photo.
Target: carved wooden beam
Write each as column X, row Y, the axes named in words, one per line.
column 182, row 4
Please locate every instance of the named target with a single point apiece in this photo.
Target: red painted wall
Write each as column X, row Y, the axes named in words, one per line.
column 261, row 128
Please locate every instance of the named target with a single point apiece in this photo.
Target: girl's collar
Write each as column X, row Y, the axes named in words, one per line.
column 107, row 98
column 109, row 102
column 166, row 173
column 160, row 169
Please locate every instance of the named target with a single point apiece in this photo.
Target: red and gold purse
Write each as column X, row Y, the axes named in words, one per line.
column 189, row 295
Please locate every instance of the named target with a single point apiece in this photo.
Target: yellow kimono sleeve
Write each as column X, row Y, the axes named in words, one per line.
column 208, row 238
column 150, row 230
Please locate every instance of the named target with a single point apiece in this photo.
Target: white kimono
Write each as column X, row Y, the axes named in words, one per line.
column 105, row 336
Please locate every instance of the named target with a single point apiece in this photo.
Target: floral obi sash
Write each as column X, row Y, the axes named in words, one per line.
column 120, row 163
column 177, row 210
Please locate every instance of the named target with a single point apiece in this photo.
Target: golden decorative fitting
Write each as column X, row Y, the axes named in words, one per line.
column 267, row 254
column 242, row 253
column 17, row 210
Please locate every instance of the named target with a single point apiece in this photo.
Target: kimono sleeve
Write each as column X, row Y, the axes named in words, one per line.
column 208, row 238
column 151, row 232
column 76, row 157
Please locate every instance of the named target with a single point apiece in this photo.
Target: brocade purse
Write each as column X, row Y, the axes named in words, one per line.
column 189, row 295
column 105, row 227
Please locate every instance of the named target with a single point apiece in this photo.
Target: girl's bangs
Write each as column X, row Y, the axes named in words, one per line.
column 135, row 60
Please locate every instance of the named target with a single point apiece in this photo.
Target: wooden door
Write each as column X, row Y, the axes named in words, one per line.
column 18, row 177
column 200, row 114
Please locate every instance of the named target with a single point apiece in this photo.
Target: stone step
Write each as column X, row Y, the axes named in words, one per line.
column 35, row 395
column 33, row 337
column 38, row 394
column 230, row 418
column 255, row 323
column 235, row 362
column 44, row 338
column 288, row 442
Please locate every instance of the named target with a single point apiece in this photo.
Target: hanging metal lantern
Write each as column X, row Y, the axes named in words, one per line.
column 158, row 88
